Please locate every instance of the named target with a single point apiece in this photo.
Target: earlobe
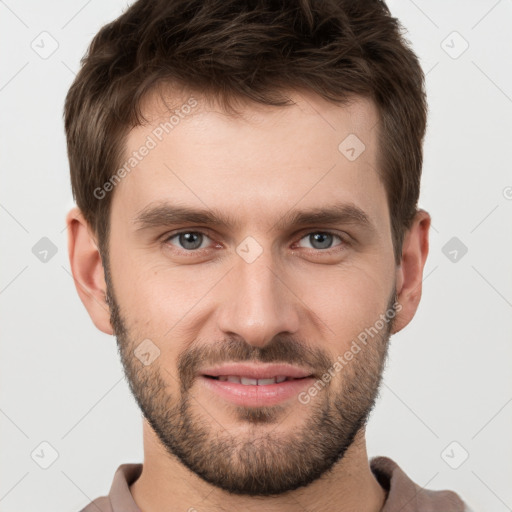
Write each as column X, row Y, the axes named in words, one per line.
column 409, row 276
column 87, row 270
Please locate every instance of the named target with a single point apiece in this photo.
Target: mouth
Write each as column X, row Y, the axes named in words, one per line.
column 251, row 374
column 256, row 384
column 248, row 381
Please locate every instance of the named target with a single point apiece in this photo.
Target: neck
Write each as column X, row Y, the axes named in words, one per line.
column 166, row 484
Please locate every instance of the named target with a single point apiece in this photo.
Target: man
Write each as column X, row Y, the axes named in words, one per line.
column 246, row 176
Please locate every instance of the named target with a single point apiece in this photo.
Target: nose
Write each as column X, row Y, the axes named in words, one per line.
column 258, row 303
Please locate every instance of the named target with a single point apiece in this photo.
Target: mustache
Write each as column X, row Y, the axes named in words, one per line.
column 280, row 349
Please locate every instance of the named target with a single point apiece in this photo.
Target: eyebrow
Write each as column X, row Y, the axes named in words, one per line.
column 165, row 214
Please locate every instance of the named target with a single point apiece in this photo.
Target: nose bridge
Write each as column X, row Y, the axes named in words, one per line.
column 258, row 304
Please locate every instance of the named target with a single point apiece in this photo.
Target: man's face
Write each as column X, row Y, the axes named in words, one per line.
column 256, row 291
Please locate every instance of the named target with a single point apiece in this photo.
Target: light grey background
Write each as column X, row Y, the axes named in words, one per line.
column 449, row 375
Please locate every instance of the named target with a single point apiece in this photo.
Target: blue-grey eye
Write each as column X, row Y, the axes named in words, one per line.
column 320, row 239
column 189, row 240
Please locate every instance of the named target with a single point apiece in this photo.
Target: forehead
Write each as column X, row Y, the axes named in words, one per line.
column 263, row 161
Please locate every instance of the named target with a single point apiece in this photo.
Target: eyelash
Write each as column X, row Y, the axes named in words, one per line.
column 343, row 241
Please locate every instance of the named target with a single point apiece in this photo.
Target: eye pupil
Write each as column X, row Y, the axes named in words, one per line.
column 190, row 240
column 324, row 239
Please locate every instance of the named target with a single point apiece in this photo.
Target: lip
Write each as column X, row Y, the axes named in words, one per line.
column 254, row 395
column 257, row 371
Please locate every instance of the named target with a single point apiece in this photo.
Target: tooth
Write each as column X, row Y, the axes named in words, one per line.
column 247, row 381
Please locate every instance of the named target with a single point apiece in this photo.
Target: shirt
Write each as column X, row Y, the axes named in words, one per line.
column 402, row 493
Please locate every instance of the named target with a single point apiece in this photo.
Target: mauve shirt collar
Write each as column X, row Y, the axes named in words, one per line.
column 120, row 495
column 402, row 493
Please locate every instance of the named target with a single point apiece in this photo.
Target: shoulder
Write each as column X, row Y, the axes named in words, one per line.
column 101, row 504
column 403, row 494
column 119, row 498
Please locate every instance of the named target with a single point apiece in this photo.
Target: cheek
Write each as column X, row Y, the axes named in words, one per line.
column 156, row 299
column 347, row 300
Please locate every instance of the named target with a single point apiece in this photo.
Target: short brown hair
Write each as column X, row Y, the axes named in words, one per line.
column 246, row 49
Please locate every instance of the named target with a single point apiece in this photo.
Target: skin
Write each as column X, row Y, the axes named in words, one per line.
column 255, row 168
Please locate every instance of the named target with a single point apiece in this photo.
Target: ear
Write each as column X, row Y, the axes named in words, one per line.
column 409, row 276
column 87, row 270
